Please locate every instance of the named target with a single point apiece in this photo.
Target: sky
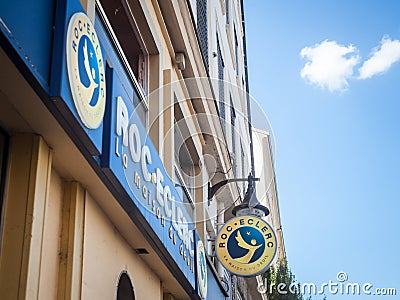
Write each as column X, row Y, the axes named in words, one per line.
column 327, row 74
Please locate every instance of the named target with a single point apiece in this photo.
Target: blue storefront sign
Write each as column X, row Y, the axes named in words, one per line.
column 101, row 101
column 28, row 28
column 132, row 163
column 78, row 84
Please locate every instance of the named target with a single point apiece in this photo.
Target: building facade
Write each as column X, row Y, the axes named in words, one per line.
column 267, row 192
column 115, row 118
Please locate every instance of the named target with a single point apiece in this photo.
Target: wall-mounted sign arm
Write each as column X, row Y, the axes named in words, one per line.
column 213, row 189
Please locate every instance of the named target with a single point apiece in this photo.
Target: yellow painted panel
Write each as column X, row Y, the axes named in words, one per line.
column 27, row 194
column 106, row 254
column 51, row 240
column 70, row 278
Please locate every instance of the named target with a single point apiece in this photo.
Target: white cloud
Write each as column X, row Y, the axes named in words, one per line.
column 382, row 58
column 329, row 65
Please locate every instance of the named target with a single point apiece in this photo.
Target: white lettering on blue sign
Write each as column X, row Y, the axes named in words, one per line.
column 130, row 134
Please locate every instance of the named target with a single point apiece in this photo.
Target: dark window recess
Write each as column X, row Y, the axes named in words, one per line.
column 221, row 89
column 128, row 37
column 202, row 29
column 243, row 168
column 233, row 130
column 243, row 90
column 227, row 11
column 185, row 161
column 236, row 52
column 125, row 288
column 184, row 192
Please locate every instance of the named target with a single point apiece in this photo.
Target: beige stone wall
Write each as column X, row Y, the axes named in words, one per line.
column 51, row 240
column 57, row 243
column 266, row 188
column 106, row 254
column 25, row 214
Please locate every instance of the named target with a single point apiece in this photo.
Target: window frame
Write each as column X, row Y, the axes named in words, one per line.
column 227, row 12
column 236, row 45
column 125, row 63
column 184, row 187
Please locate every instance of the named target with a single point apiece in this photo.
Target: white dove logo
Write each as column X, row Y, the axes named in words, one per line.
column 91, row 74
column 252, row 247
column 246, row 245
column 85, row 65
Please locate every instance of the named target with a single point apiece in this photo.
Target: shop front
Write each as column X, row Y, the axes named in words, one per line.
column 88, row 209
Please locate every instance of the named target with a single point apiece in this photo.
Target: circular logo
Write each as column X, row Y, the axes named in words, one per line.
column 86, row 73
column 201, row 270
column 246, row 245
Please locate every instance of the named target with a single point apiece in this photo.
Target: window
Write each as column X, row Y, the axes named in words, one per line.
column 202, row 29
column 236, row 52
column 184, row 174
column 184, row 193
column 243, row 90
column 125, row 288
column 119, row 14
column 127, row 48
column 233, row 131
column 227, row 11
column 243, row 168
column 184, row 161
column 221, row 86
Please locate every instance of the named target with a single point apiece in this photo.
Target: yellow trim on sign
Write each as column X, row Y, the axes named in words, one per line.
column 243, row 265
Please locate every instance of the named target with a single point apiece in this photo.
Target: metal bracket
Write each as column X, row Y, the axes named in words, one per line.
column 213, row 189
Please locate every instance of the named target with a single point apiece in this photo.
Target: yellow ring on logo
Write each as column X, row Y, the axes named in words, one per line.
column 241, row 268
column 91, row 116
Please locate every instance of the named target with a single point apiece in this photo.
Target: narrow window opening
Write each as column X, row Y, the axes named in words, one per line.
column 221, row 87
column 202, row 29
column 119, row 14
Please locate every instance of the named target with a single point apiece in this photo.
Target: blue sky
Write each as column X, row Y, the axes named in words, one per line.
column 328, row 78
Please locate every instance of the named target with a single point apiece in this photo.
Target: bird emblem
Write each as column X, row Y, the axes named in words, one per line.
column 252, row 247
column 202, row 267
column 88, row 91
